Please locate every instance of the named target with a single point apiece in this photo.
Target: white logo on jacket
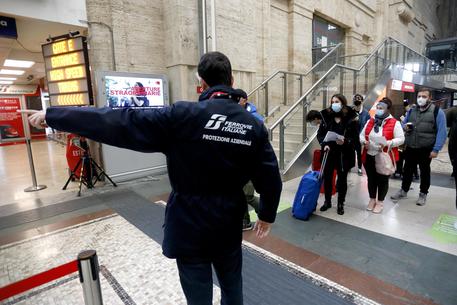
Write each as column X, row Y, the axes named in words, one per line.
column 215, row 121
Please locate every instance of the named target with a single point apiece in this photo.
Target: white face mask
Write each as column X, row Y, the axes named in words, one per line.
column 379, row 112
column 336, row 107
column 421, row 101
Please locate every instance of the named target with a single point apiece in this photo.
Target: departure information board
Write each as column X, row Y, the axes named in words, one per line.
column 67, row 72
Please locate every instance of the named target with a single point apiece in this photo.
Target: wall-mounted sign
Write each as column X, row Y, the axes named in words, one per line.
column 402, row 86
column 18, row 89
column 396, row 84
column 10, row 120
column 67, row 72
column 8, row 27
column 130, row 91
column 407, row 87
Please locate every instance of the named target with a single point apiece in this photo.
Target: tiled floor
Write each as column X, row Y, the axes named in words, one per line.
column 130, row 256
column 50, row 166
column 404, row 220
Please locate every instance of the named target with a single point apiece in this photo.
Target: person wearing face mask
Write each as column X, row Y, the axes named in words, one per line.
column 342, row 120
column 382, row 125
column 363, row 117
column 425, row 127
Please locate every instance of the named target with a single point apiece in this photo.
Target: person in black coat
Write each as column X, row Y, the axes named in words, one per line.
column 213, row 148
column 342, row 120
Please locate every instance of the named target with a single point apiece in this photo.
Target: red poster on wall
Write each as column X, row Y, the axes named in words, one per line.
column 10, row 120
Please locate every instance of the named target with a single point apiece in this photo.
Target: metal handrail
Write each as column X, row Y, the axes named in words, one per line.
column 294, row 73
column 302, row 100
column 298, row 102
column 405, row 45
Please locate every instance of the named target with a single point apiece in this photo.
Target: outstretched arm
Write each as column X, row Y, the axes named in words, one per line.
column 146, row 130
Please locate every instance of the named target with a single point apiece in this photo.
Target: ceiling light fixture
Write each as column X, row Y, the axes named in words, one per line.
column 12, row 72
column 6, row 82
column 18, row 63
column 8, row 78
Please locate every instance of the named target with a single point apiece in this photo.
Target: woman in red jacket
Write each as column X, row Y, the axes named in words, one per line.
column 382, row 125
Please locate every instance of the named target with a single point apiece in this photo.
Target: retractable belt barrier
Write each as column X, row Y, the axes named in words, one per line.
column 86, row 265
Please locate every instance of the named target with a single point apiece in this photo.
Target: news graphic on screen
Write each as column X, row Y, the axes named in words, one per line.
column 122, row 92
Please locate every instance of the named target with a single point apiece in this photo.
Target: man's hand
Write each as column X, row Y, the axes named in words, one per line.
column 433, row 155
column 36, row 118
column 262, row 228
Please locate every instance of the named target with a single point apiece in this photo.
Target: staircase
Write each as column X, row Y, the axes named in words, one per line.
column 285, row 103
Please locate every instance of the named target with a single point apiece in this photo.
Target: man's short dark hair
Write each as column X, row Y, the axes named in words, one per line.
column 359, row 96
column 215, row 69
column 426, row 90
column 240, row 93
column 312, row 115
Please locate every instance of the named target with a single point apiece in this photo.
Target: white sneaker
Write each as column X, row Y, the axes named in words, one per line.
column 401, row 194
column 422, row 199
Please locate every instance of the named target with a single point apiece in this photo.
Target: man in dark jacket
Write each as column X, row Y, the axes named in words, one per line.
column 363, row 117
column 424, row 138
column 213, row 148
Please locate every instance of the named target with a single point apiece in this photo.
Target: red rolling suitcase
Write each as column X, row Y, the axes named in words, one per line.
column 317, row 166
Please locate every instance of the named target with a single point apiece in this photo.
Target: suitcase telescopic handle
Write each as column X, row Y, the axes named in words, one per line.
column 324, row 161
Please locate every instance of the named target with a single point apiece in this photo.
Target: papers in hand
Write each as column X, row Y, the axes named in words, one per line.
column 333, row 136
column 379, row 140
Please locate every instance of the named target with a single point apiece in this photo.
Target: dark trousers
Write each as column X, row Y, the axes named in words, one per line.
column 251, row 200
column 453, row 157
column 414, row 157
column 196, row 278
column 358, row 151
column 334, row 161
column 377, row 184
column 400, row 163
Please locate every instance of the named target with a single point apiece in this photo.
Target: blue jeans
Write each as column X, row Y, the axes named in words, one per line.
column 196, row 278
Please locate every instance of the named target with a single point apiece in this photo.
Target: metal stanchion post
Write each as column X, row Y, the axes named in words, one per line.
column 89, row 277
column 35, row 187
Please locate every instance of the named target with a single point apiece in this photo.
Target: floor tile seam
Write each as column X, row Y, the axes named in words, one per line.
column 47, row 234
column 116, row 286
column 86, row 194
column 317, row 279
column 54, row 214
column 411, row 241
column 48, row 204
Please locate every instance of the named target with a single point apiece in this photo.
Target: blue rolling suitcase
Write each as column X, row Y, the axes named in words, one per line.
column 305, row 201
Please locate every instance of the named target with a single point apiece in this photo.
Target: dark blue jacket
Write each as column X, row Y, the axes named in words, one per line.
column 364, row 117
column 252, row 109
column 213, row 148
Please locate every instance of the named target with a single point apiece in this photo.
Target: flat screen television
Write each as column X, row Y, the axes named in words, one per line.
column 134, row 91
